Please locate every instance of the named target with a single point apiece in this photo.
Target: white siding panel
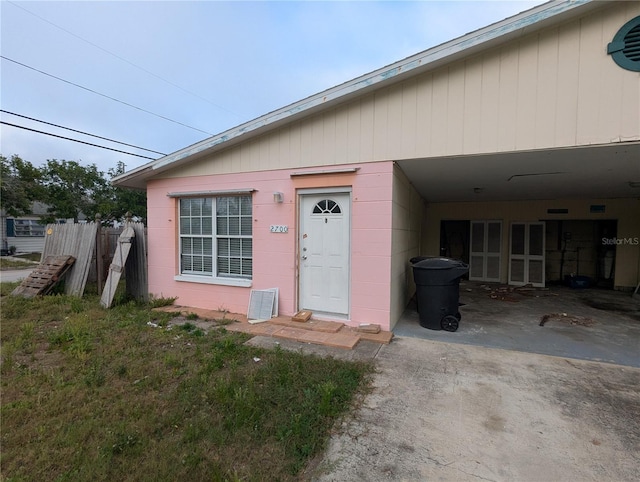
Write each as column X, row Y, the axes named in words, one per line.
column 250, row 158
column 439, row 113
column 473, row 106
column 341, row 136
column 491, row 134
column 455, row 108
column 269, row 152
column 306, row 139
column 285, row 141
column 547, row 79
column 567, row 85
column 354, row 137
column 508, row 86
column 424, row 108
column 630, row 123
column 590, row 78
column 317, row 152
column 275, row 148
column 295, row 148
column 527, row 96
column 367, row 133
column 394, row 125
column 329, row 139
column 380, row 127
column 408, row 124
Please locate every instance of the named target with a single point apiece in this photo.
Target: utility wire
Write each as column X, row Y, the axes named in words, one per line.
column 122, row 59
column 104, row 95
column 82, row 132
column 74, row 140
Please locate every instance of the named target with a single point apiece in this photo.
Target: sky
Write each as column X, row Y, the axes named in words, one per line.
column 163, row 75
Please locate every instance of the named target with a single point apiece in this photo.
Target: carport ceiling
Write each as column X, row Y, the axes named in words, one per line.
column 585, row 172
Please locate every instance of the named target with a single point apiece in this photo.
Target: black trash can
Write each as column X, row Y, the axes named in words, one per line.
column 438, row 291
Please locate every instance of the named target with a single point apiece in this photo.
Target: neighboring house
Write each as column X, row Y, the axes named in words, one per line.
column 515, row 147
column 25, row 233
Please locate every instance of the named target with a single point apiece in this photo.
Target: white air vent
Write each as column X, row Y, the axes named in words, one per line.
column 263, row 304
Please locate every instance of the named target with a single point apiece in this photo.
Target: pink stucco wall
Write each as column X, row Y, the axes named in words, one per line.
column 275, row 257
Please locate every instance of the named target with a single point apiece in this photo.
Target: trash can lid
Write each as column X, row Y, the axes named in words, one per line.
column 439, row 263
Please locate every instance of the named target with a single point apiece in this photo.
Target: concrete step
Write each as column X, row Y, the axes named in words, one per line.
column 319, row 332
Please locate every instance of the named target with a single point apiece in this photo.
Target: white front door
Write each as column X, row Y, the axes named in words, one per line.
column 324, row 246
column 526, row 254
column 484, row 255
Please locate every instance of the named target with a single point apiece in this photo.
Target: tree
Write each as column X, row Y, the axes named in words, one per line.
column 19, row 185
column 68, row 189
column 114, row 202
column 71, row 189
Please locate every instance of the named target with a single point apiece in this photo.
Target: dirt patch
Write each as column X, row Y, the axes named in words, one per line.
column 565, row 318
column 40, row 359
column 203, row 324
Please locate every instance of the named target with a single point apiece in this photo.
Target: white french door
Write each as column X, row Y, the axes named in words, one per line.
column 526, row 254
column 485, row 247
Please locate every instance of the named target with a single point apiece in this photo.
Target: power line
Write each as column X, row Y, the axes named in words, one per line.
column 123, row 59
column 82, row 132
column 103, row 95
column 75, row 140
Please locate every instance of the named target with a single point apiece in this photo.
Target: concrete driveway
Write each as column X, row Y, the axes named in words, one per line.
column 455, row 412
column 600, row 325
column 501, row 399
column 14, row 275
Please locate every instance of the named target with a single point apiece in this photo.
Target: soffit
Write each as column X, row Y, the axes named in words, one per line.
column 572, row 173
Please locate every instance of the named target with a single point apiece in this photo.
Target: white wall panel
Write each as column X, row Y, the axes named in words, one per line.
column 473, row 85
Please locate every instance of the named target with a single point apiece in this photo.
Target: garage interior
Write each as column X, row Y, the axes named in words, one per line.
column 572, row 248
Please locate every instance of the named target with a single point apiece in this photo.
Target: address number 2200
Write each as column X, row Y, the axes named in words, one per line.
column 279, row 228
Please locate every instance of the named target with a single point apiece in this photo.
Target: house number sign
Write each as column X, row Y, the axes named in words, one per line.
column 279, row 228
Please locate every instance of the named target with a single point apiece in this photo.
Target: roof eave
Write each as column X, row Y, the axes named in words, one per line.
column 499, row 32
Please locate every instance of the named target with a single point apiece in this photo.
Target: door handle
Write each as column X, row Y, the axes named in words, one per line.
column 304, row 257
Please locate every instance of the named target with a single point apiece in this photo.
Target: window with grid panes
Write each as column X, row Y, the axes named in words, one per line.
column 216, row 236
column 28, row 227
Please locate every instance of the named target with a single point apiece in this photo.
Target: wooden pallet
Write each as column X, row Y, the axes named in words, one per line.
column 45, row 276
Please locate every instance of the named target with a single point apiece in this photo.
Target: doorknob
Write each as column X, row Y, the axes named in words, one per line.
column 304, row 257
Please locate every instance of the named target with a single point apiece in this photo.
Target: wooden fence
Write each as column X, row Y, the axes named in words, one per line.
column 77, row 240
column 93, row 247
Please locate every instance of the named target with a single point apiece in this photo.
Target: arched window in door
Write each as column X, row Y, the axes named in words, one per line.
column 327, row 206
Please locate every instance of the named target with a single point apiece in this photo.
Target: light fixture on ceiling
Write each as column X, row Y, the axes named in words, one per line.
column 634, row 184
column 477, row 190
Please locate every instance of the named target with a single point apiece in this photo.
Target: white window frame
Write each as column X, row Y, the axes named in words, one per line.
column 26, row 226
column 213, row 276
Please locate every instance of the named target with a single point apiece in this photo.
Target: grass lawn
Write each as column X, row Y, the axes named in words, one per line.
column 95, row 394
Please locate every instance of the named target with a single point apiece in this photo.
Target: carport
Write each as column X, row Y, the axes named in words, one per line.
column 588, row 324
column 535, row 216
column 584, row 205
